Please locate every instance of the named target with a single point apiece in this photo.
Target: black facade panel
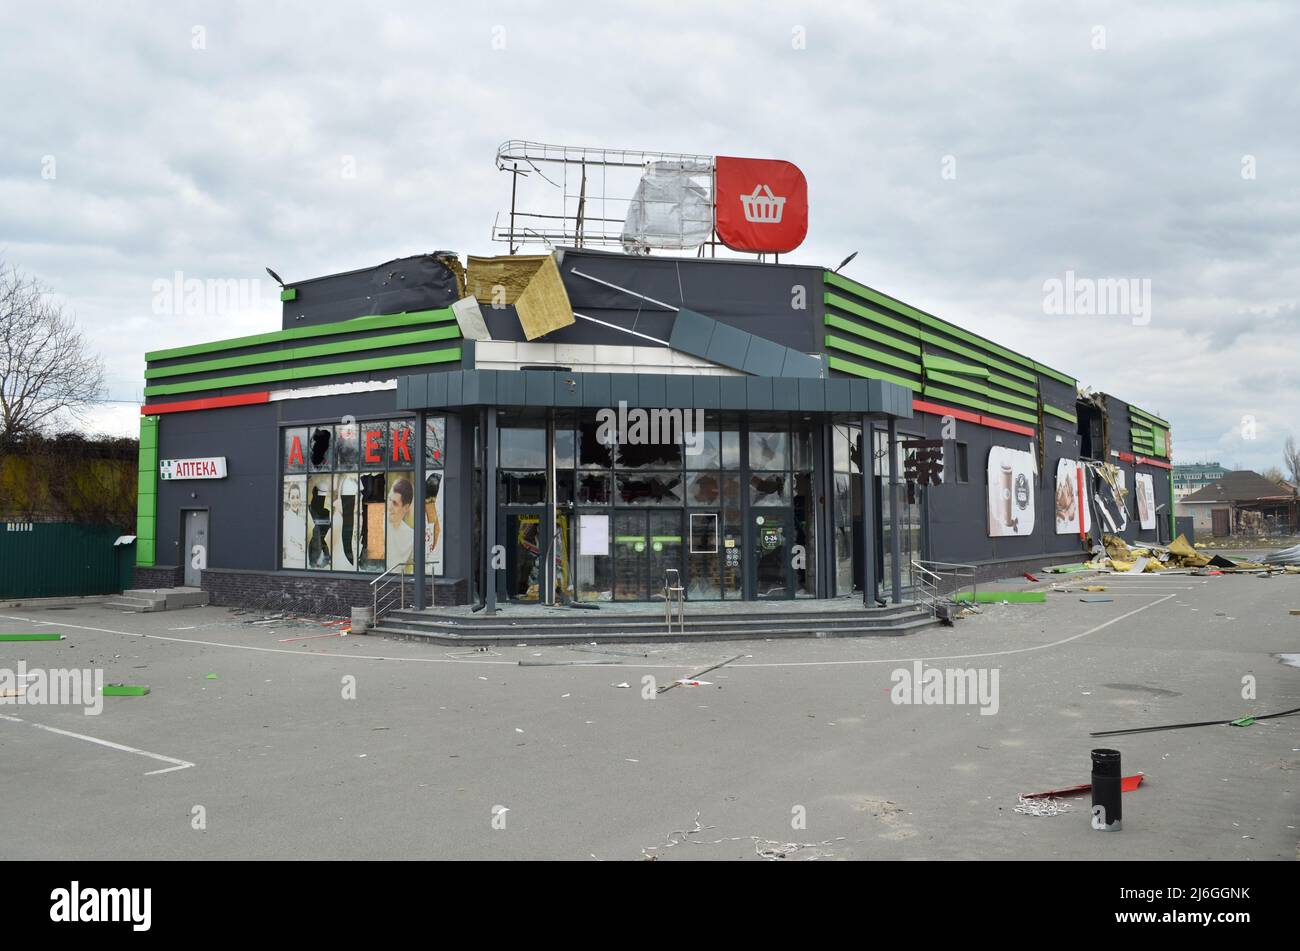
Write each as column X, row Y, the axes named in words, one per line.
column 778, row 302
column 680, row 392
column 758, row 393
column 957, row 513
column 420, row 282
column 785, row 394
column 708, row 392
column 652, row 390
column 243, row 508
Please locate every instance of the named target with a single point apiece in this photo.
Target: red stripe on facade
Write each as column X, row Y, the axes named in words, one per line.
column 924, row 406
column 1144, row 461
column 212, row 402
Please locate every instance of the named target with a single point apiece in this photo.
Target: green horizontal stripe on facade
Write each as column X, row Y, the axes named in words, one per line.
column 1133, row 410
column 1056, row 375
column 1030, row 418
column 959, row 398
column 840, row 323
column 944, row 364
column 1014, row 385
column 866, row 313
column 974, row 355
column 921, row 317
column 378, row 322
column 888, row 359
column 1011, row 400
column 988, row 392
column 311, row 371
column 427, row 335
column 957, row 381
column 981, row 405
column 848, row 366
column 1047, row 408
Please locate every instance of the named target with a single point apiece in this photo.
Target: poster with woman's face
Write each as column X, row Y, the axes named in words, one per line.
column 293, row 533
column 399, row 518
column 1010, row 492
column 1072, row 499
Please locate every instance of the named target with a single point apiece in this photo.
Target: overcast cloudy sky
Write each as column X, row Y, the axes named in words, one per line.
column 970, row 153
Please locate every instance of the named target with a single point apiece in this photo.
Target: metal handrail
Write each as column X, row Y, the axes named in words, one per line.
column 670, row 591
column 932, row 576
column 381, row 593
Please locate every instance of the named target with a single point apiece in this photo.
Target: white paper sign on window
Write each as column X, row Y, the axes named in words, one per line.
column 593, row 534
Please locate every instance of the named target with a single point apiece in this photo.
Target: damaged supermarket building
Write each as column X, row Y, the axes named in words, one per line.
column 580, row 424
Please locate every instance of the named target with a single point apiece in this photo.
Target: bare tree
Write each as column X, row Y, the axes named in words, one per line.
column 1272, row 474
column 1291, row 456
column 45, row 368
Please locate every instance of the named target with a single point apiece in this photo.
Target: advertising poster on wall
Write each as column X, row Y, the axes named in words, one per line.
column 401, row 519
column 1146, row 499
column 344, row 529
column 1072, row 499
column 1010, row 491
column 293, row 537
column 433, row 545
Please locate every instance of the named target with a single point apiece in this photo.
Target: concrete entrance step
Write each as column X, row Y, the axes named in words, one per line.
column 158, row 599
column 882, row 622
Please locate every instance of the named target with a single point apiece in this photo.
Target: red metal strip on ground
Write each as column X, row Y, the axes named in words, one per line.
column 1127, row 784
column 212, row 402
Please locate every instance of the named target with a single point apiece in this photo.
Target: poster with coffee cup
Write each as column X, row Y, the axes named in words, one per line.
column 1011, row 491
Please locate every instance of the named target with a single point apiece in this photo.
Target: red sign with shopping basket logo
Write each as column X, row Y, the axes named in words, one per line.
column 760, row 204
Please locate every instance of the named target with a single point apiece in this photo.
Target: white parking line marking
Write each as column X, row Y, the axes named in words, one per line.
column 177, row 763
column 511, row 663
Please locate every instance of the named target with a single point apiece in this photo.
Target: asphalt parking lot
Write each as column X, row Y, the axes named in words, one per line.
column 252, row 733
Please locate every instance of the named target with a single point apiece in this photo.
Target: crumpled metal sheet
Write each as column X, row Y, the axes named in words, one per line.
column 670, row 208
column 1287, row 556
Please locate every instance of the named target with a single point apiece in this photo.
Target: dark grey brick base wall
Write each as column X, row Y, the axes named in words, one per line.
column 159, row 576
column 308, row 594
column 990, row 571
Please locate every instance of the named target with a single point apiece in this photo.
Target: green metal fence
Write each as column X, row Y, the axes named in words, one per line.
column 62, row 559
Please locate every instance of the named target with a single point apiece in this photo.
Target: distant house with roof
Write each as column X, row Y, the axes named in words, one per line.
column 1241, row 503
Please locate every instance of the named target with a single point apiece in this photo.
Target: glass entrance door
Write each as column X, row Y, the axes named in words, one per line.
column 523, row 548
column 769, row 542
column 646, row 544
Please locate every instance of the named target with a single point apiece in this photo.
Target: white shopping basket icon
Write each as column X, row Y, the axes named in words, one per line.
column 762, row 209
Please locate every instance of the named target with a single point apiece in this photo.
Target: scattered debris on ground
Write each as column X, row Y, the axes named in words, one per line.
column 771, row 850
column 1117, row 556
column 698, row 674
column 567, row 663
column 1042, row 807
